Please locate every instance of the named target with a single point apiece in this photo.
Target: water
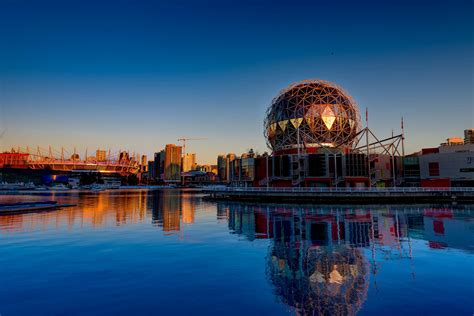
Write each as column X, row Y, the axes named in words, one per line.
column 170, row 252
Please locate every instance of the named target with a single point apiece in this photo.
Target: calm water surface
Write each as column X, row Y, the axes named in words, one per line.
column 170, row 252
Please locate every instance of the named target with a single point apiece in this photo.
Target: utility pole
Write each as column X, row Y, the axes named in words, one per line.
column 268, row 180
column 299, row 156
column 367, row 141
column 403, row 151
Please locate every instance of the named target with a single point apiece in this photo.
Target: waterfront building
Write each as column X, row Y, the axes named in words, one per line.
column 448, row 165
column 321, row 170
column 198, row 177
column 222, row 168
column 172, row 163
column 189, row 162
column 208, row 169
column 151, row 170
column 385, row 170
column 144, row 163
column 159, row 165
column 229, row 158
column 411, row 168
column 469, row 136
column 310, row 127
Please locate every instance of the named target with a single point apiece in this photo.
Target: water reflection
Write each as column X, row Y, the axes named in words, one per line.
column 320, row 259
column 168, row 210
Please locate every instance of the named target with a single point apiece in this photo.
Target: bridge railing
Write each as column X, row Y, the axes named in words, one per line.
column 342, row 190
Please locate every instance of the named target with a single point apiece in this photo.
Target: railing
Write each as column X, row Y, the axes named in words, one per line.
column 341, row 190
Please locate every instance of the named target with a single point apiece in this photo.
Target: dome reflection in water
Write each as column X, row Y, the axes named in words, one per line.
column 143, row 251
column 322, row 260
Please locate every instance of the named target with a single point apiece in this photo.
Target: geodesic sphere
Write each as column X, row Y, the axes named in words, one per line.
column 311, row 113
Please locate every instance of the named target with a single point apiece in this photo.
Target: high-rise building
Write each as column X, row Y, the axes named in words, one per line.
column 151, row 170
column 222, row 167
column 144, row 164
column 469, row 136
column 189, row 162
column 100, row 155
column 172, row 162
column 230, row 157
column 159, row 164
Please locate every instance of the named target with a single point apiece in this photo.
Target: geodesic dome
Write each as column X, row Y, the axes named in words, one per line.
column 311, row 113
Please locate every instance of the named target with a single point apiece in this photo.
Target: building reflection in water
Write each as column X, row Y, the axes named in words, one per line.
column 320, row 259
column 168, row 210
column 94, row 210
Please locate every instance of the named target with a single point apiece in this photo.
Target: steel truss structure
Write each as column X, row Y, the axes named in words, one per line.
column 120, row 162
column 319, row 114
column 367, row 142
column 311, row 113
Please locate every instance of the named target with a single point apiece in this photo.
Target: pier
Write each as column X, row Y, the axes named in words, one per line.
column 344, row 195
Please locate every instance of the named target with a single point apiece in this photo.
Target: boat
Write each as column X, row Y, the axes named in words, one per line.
column 59, row 187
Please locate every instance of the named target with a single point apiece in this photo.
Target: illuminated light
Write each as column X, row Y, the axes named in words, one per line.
column 282, row 125
column 327, row 144
column 273, row 127
column 310, row 121
column 296, row 122
column 271, row 132
column 328, row 117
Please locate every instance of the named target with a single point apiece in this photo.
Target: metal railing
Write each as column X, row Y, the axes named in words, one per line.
column 341, row 190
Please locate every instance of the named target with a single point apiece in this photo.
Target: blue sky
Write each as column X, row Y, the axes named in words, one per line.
column 139, row 74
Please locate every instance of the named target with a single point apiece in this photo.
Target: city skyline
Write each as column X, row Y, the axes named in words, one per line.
column 67, row 76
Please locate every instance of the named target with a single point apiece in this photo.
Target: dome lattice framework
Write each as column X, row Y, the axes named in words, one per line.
column 311, row 113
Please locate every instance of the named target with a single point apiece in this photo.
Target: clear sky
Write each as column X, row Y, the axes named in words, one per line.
column 139, row 74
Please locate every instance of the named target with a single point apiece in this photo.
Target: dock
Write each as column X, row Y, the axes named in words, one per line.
column 26, row 207
column 344, row 195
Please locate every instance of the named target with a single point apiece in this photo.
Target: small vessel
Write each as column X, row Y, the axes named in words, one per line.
column 59, row 187
column 98, row 187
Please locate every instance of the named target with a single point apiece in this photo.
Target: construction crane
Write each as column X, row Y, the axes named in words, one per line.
column 185, row 139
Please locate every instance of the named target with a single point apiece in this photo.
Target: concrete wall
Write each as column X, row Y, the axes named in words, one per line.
column 454, row 165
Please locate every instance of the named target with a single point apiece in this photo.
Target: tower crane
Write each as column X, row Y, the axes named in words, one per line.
column 185, row 139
